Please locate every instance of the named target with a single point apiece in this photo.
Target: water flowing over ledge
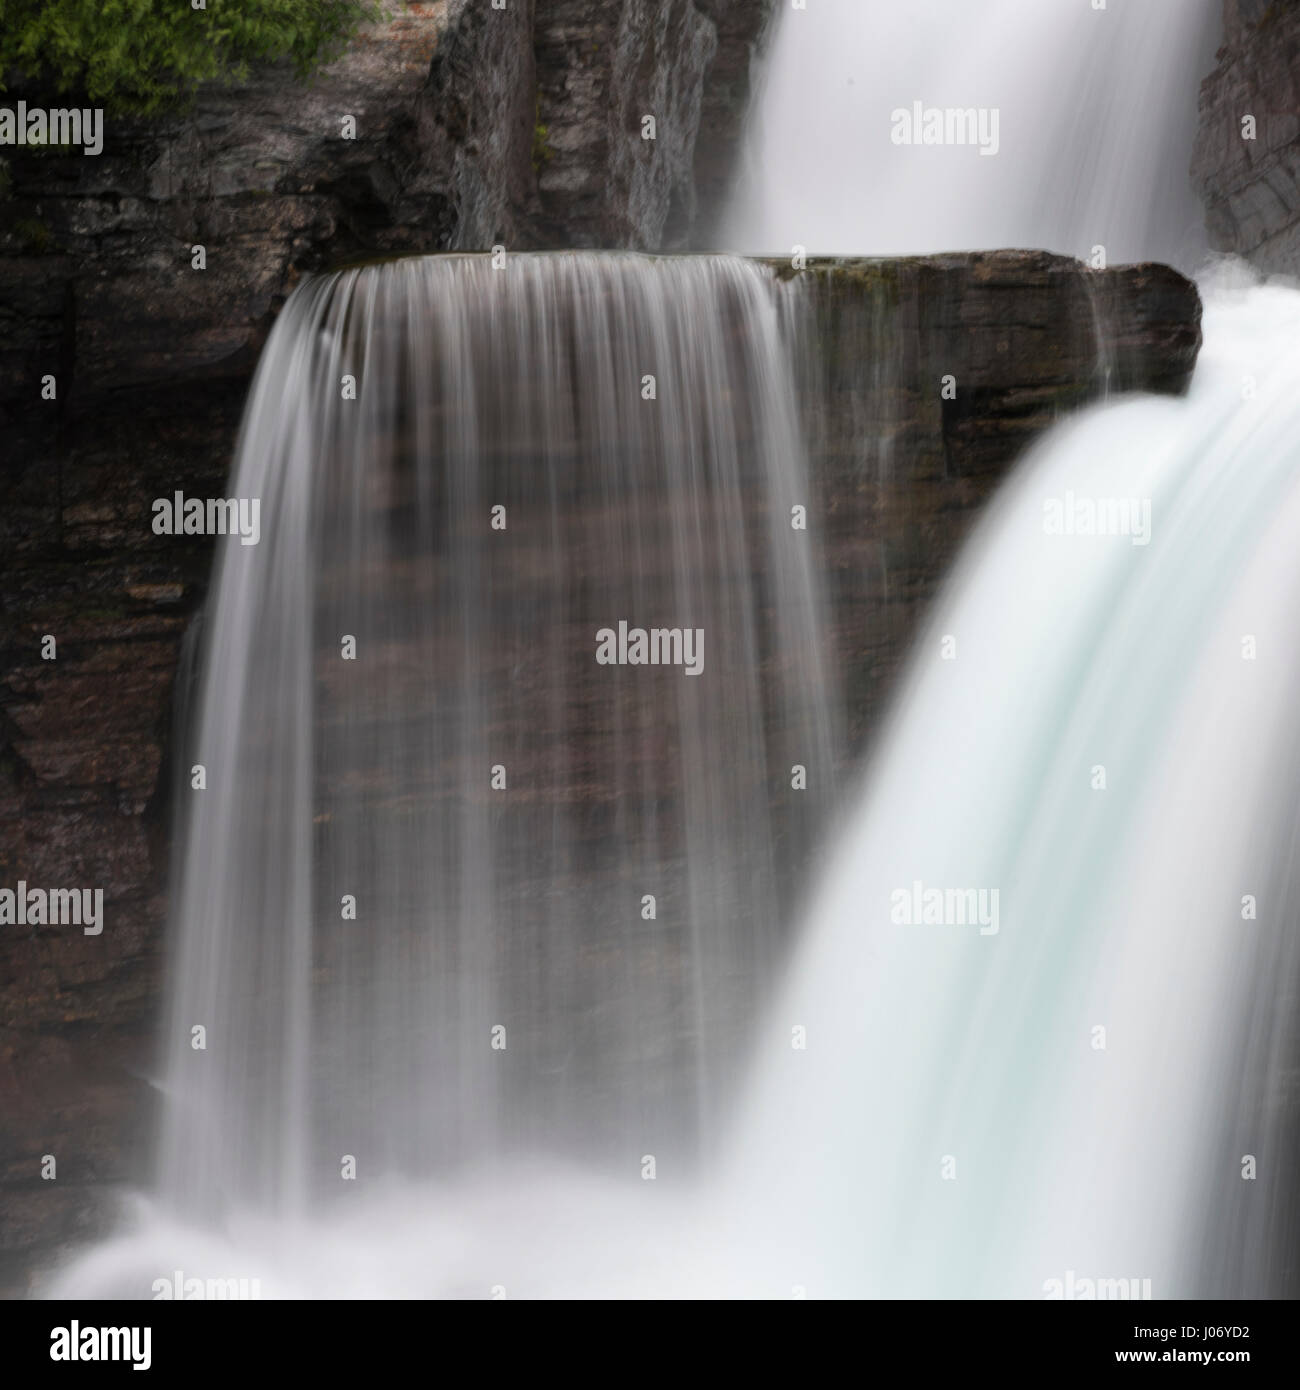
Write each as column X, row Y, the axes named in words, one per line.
column 929, row 1096
column 895, row 477
column 469, row 879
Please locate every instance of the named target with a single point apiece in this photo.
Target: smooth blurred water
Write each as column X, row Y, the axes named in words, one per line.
column 951, row 1125
column 1070, row 658
column 930, row 1109
column 1096, row 113
column 1122, row 908
column 412, row 905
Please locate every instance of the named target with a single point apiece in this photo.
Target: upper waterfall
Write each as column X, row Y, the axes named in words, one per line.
column 1094, row 111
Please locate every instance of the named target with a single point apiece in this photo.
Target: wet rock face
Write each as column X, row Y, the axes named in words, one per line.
column 900, row 473
column 603, row 72
column 1251, row 187
column 602, row 182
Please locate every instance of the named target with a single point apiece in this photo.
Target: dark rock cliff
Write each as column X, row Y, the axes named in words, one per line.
column 470, row 126
column 687, row 64
column 1252, row 186
column 900, row 473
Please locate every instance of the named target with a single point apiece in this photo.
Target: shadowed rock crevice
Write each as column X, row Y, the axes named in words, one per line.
column 1251, row 187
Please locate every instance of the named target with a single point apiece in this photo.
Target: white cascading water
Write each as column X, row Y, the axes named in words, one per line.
column 1095, row 110
column 1089, row 1080
column 1098, row 731
column 455, row 829
column 455, row 897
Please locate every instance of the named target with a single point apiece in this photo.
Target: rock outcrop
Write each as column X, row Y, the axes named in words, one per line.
column 901, row 473
column 683, row 64
column 453, row 125
column 1251, row 186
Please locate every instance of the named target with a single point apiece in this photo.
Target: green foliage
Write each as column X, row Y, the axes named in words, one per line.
column 139, row 55
column 542, row 151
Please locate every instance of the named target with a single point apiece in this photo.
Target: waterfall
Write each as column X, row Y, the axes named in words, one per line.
column 1093, row 107
column 454, row 890
column 1048, row 983
column 471, row 923
column 1047, row 1010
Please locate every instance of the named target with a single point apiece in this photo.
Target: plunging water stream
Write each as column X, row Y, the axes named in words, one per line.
column 1054, row 1076
column 455, row 888
column 1066, row 1074
column 1092, row 108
